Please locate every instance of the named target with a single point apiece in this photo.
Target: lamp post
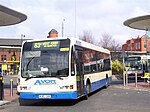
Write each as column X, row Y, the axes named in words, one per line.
column 124, row 71
column 75, row 15
column 63, row 27
column 147, row 50
column 22, row 35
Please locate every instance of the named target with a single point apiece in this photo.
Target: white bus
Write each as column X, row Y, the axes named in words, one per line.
column 137, row 64
column 62, row 68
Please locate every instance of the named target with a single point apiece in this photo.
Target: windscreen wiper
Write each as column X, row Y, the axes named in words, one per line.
column 30, row 61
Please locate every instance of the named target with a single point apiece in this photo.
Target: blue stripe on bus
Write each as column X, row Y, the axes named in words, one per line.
column 99, row 84
column 61, row 95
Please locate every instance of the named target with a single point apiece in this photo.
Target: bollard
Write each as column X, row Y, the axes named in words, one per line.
column 1, row 88
column 149, row 79
column 126, row 76
column 135, row 79
column 11, row 87
column 126, row 79
column 124, row 82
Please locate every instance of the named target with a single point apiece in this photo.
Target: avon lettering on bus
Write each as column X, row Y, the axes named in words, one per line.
column 45, row 82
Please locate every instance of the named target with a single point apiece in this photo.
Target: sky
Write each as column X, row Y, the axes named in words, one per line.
column 76, row 16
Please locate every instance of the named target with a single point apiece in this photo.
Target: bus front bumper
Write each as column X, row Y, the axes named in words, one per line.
column 42, row 96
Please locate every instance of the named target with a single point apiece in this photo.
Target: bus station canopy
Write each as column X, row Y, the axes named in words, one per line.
column 141, row 22
column 10, row 17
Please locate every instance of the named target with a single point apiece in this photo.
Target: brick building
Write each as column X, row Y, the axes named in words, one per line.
column 10, row 55
column 9, row 59
column 140, row 44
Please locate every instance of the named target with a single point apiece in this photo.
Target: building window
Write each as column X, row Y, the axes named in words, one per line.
column 138, row 45
column 129, row 47
column 3, row 57
column 145, row 44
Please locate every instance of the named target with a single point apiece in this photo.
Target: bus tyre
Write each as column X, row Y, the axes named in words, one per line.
column 106, row 83
column 87, row 91
column 21, row 102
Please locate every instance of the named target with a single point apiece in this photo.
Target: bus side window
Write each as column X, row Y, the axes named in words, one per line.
column 148, row 65
column 93, row 68
column 100, row 67
column 144, row 67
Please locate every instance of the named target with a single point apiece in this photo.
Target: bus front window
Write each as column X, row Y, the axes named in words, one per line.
column 49, row 63
column 134, row 63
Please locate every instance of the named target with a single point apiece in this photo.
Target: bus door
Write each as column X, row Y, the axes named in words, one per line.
column 79, row 72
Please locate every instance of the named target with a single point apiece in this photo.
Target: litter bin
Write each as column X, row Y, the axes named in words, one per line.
column 1, row 88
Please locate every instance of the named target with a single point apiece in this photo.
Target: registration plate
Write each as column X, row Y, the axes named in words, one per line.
column 44, row 96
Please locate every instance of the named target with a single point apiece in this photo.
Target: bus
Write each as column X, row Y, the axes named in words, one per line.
column 62, row 68
column 137, row 64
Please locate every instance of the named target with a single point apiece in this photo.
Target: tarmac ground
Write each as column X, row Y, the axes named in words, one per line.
column 117, row 83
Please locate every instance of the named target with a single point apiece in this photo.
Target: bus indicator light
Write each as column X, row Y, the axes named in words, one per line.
column 71, row 86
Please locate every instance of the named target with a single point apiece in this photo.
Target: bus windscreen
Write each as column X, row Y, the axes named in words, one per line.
column 134, row 63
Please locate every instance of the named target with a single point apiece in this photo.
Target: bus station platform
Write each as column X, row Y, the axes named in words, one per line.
column 141, row 85
column 7, row 96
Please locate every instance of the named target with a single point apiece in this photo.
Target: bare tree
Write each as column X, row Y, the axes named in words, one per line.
column 109, row 43
column 88, row 37
column 105, row 41
column 115, row 46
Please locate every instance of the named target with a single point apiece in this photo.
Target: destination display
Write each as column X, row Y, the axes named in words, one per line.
column 51, row 44
column 61, row 45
